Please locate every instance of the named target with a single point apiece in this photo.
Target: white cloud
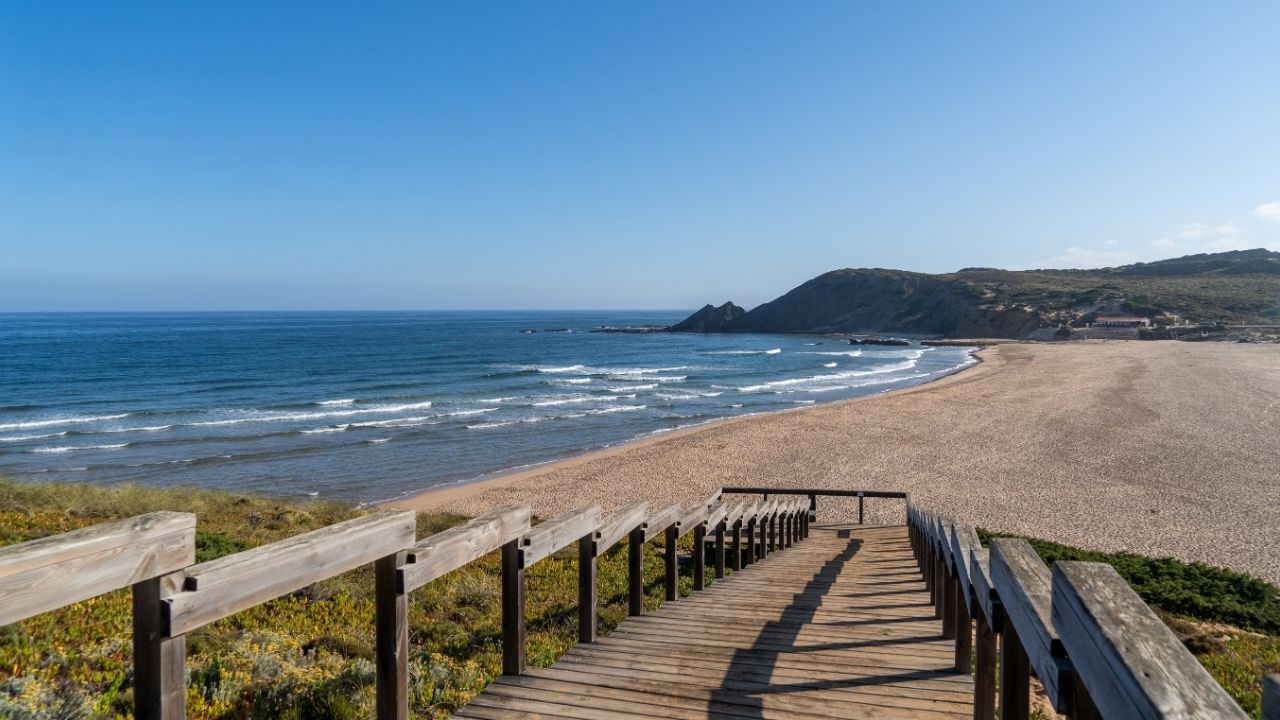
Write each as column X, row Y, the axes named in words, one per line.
column 1163, row 243
column 1268, row 211
column 1200, row 230
column 1078, row 257
column 1111, row 243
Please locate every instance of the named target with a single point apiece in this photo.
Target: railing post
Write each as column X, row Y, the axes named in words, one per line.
column 984, row 681
column 635, row 572
column 773, row 532
column 919, row 534
column 700, row 557
column 860, row 499
column 940, row 586
column 751, row 542
column 672, row 567
column 1015, row 676
column 735, row 560
column 720, row 550
column 763, row 540
column 964, row 630
column 941, row 581
column 159, row 686
column 926, row 563
column 391, row 640
column 513, row 659
column 950, row 594
column 587, row 589
column 813, row 506
column 917, row 549
column 1080, row 705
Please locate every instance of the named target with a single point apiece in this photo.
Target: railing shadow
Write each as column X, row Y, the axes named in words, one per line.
column 780, row 637
column 750, row 659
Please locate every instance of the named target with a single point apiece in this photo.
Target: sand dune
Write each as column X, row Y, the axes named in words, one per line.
column 1158, row 448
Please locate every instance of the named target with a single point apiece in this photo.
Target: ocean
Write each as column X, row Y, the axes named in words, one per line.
column 371, row 406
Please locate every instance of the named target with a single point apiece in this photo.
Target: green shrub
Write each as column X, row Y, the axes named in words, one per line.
column 1192, row 590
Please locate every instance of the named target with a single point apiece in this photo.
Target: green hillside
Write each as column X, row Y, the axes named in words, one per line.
column 1238, row 286
column 1233, row 287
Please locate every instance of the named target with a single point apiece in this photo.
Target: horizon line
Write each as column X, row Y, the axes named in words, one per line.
column 378, row 310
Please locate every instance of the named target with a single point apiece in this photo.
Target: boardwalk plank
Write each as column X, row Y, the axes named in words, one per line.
column 838, row 626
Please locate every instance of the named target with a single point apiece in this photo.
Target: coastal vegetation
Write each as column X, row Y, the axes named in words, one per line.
column 1241, row 286
column 309, row 655
column 1229, row 620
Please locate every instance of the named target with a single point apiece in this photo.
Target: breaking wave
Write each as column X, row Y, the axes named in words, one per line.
column 830, row 377
column 74, row 420
column 71, row 448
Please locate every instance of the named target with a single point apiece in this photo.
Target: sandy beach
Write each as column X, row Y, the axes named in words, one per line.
column 1157, row 448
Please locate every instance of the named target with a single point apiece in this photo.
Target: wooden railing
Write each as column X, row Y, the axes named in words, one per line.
column 813, row 493
column 154, row 554
column 1096, row 647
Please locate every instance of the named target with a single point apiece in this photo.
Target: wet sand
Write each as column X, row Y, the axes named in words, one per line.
column 1151, row 447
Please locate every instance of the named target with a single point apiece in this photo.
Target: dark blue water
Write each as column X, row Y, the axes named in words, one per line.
column 372, row 406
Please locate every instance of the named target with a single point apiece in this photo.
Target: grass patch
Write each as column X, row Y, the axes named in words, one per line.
column 1228, row 620
column 1192, row 590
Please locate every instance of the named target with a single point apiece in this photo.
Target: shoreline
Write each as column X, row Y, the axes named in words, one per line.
column 438, row 497
column 1158, row 449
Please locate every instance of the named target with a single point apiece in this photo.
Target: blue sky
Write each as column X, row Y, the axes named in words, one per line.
column 182, row 156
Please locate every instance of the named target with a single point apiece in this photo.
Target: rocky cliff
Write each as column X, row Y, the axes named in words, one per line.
column 712, row 319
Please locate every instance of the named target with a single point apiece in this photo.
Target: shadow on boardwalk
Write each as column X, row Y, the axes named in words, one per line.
column 782, row 637
column 839, row 626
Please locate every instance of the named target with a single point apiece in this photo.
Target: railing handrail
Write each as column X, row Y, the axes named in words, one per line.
column 814, row 493
column 832, row 492
column 1097, row 648
column 215, row 589
column 173, row 595
column 1126, row 657
column 444, row 552
column 45, row 574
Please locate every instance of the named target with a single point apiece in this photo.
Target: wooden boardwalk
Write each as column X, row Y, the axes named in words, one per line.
column 839, row 626
column 831, row 622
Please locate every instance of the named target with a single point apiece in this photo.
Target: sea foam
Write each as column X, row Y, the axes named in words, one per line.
column 71, row 448
column 23, row 438
column 300, row 416
column 74, row 420
column 829, row 377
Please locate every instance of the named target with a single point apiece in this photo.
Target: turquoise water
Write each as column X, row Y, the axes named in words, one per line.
column 371, row 406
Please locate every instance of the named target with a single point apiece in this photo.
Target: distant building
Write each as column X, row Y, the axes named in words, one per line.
column 1119, row 321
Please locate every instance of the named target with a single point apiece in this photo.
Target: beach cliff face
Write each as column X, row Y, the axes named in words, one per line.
column 870, row 301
